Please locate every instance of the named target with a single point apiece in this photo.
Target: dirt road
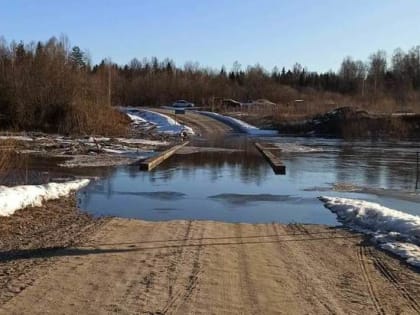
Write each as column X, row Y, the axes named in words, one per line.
column 205, row 125
column 190, row 267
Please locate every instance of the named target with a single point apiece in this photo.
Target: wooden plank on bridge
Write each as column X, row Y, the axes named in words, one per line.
column 154, row 161
column 276, row 164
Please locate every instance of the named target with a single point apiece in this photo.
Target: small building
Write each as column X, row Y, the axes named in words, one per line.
column 231, row 103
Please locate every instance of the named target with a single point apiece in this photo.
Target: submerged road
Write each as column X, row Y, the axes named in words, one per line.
column 199, row 267
column 204, row 267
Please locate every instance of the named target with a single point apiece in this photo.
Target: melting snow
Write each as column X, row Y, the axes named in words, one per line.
column 296, row 148
column 163, row 123
column 17, row 138
column 142, row 141
column 19, row 197
column 393, row 230
column 241, row 125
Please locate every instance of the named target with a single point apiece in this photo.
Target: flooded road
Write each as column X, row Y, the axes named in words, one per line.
column 239, row 186
column 188, row 266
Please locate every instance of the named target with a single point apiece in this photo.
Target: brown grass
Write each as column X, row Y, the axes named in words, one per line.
column 315, row 103
column 94, row 119
column 289, row 117
column 13, row 165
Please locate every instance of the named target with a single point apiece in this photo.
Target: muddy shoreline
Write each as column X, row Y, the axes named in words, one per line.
column 350, row 123
column 31, row 234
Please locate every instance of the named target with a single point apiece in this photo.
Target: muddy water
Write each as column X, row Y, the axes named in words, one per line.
column 239, row 186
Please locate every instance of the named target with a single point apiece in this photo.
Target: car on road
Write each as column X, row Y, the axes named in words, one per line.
column 182, row 103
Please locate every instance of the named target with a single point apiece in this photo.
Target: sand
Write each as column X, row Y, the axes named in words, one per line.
column 203, row 267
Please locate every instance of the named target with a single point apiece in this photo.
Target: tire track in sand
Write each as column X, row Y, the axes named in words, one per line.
column 173, row 269
column 323, row 296
column 361, row 258
column 192, row 262
column 138, row 289
column 392, row 278
column 244, row 272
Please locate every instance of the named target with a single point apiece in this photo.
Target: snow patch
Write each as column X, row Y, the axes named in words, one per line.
column 142, row 141
column 296, row 148
column 17, row 138
column 393, row 230
column 136, row 119
column 163, row 123
column 19, row 197
column 240, row 125
column 134, row 152
column 99, row 139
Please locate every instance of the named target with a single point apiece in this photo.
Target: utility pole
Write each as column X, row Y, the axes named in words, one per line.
column 417, row 170
column 363, row 87
column 109, row 82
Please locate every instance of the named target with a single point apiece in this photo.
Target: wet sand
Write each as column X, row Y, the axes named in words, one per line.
column 203, row 267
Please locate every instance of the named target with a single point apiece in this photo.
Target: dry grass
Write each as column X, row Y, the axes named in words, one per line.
column 315, row 103
column 291, row 116
column 13, row 166
column 92, row 119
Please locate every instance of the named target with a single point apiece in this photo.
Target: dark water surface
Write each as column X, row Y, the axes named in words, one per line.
column 241, row 187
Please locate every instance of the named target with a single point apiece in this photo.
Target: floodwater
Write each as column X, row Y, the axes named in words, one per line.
column 240, row 186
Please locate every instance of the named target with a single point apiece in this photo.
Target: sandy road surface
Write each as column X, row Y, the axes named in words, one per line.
column 194, row 267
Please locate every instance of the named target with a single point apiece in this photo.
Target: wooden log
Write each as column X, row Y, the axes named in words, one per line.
column 276, row 164
column 154, row 161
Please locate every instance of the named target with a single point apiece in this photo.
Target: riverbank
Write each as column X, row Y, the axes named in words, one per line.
column 150, row 132
column 27, row 236
column 343, row 122
column 183, row 267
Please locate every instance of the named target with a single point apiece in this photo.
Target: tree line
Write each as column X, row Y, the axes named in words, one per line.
column 53, row 86
column 151, row 81
column 50, row 86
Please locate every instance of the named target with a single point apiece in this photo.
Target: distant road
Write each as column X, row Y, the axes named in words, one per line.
column 205, row 125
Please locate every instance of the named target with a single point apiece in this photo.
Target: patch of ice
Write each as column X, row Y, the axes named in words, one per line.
column 393, row 230
column 129, row 151
column 101, row 160
column 19, row 197
column 242, row 199
column 240, row 125
column 296, row 148
column 114, row 151
column 142, row 141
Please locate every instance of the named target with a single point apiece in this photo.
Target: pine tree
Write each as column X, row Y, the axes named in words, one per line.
column 77, row 57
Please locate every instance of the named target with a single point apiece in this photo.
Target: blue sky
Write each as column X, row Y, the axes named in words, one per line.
column 318, row 34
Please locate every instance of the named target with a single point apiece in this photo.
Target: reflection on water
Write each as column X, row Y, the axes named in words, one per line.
column 37, row 170
column 159, row 195
column 239, row 186
column 242, row 199
column 377, row 164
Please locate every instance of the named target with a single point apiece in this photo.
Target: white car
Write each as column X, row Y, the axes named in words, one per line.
column 182, row 103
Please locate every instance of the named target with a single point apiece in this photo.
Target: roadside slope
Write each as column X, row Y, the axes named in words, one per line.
column 201, row 267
